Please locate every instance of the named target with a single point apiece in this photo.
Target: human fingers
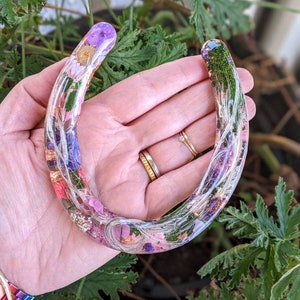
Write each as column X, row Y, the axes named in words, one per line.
column 25, row 105
column 174, row 187
column 176, row 184
column 174, row 152
column 181, row 110
column 134, row 96
column 179, row 149
column 173, row 115
column 251, row 107
column 246, row 79
column 170, row 153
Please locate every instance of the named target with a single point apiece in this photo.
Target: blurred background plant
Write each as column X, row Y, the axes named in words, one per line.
column 257, row 255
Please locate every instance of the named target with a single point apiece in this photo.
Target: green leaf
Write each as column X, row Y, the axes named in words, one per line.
column 287, row 287
column 269, row 273
column 214, row 294
column 262, row 240
column 121, row 262
column 292, row 224
column 241, row 221
column 70, row 100
column 282, row 201
column 222, row 263
column 3, row 93
column 137, row 50
column 280, row 258
column 11, row 12
column 288, row 217
column 8, row 14
column 271, row 251
column 71, row 94
column 285, row 251
column 265, row 221
column 222, row 18
column 289, row 249
column 251, row 289
column 247, row 258
column 111, row 277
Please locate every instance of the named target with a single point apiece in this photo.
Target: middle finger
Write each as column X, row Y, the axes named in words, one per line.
column 173, row 115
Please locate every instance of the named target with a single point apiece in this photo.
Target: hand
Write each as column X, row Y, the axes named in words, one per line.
column 41, row 249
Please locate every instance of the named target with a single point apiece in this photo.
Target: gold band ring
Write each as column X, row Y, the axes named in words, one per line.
column 184, row 139
column 149, row 165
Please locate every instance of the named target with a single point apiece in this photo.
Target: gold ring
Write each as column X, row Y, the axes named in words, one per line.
column 184, row 139
column 149, row 165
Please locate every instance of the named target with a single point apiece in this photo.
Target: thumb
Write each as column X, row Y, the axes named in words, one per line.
column 25, row 105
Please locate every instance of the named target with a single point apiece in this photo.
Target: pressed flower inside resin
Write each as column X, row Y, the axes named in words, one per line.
column 85, row 54
column 197, row 212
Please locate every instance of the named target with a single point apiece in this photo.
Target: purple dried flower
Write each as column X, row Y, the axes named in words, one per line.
column 99, row 33
column 73, row 150
column 148, row 247
column 97, row 205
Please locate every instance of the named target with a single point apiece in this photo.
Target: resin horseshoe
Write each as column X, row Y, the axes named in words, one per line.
column 194, row 214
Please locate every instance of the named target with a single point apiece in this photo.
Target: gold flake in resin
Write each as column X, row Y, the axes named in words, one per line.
column 55, row 177
column 83, row 222
column 50, row 155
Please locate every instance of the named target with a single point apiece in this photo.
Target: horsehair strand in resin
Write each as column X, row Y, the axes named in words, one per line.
column 195, row 213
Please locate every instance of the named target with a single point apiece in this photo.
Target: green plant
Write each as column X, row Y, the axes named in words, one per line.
column 13, row 11
column 152, row 47
column 268, row 257
column 114, row 276
column 210, row 18
column 146, row 38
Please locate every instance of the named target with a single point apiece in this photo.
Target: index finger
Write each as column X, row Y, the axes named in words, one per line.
column 25, row 105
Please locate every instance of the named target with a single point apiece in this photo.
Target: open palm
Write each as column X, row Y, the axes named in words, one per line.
column 41, row 249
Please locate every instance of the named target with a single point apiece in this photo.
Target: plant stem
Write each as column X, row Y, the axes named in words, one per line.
column 160, row 278
column 89, row 11
column 75, row 12
column 23, row 49
column 59, row 29
column 44, row 51
column 111, row 12
column 269, row 158
column 131, row 15
column 47, row 49
column 80, row 287
column 277, row 141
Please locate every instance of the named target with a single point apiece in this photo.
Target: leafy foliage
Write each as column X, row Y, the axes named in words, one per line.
column 269, row 243
column 138, row 49
column 11, row 12
column 222, row 18
column 111, row 277
column 247, row 290
column 271, row 252
column 287, row 287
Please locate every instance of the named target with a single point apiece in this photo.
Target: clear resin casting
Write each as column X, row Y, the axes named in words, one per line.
column 66, row 173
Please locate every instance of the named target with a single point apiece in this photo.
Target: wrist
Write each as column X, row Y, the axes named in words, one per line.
column 10, row 292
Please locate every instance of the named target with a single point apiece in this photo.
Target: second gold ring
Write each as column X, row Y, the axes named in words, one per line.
column 149, row 165
column 186, row 141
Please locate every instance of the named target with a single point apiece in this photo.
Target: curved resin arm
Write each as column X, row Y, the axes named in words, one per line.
column 199, row 210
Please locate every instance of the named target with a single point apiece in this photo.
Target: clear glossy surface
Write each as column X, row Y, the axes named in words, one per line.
column 206, row 202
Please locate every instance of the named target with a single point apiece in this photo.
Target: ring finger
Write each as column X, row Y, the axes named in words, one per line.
column 172, row 153
column 196, row 139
